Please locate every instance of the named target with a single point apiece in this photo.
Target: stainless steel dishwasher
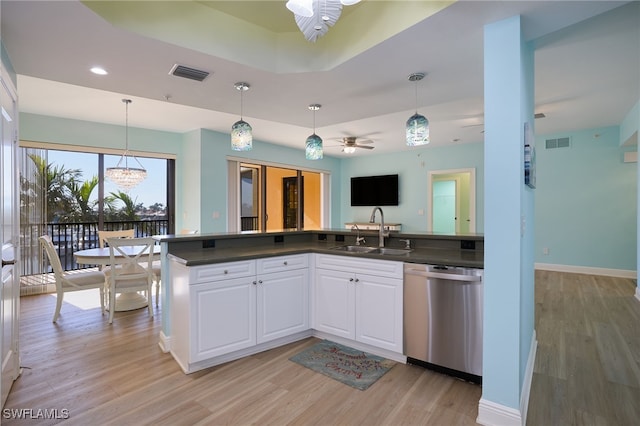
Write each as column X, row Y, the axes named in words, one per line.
column 443, row 319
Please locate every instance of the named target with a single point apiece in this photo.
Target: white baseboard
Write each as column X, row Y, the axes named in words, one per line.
column 638, row 293
column 620, row 273
column 494, row 414
column 528, row 378
column 165, row 342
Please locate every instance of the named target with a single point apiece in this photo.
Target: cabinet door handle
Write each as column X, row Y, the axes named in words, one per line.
column 254, row 283
column 357, row 280
column 226, row 272
column 8, row 262
column 285, row 263
column 259, row 281
column 351, row 280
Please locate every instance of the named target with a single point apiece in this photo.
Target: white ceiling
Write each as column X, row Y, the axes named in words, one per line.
column 587, row 70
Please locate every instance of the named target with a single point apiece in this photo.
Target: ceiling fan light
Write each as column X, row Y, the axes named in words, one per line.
column 417, row 130
column 349, row 149
column 301, row 7
column 313, row 148
column 349, row 2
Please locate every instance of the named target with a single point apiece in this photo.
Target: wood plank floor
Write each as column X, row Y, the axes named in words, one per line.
column 587, row 371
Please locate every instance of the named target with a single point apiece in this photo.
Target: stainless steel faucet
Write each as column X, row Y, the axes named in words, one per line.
column 382, row 233
column 359, row 239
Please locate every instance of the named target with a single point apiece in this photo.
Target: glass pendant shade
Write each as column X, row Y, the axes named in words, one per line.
column 313, row 147
column 241, row 131
column 241, row 137
column 417, row 130
column 122, row 175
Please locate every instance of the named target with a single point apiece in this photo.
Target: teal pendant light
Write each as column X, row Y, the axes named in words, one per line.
column 241, row 136
column 417, row 126
column 313, row 145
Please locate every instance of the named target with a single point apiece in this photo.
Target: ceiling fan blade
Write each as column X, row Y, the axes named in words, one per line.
column 367, row 141
column 363, row 146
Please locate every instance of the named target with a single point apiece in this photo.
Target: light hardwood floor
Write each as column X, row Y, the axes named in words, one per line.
column 587, row 371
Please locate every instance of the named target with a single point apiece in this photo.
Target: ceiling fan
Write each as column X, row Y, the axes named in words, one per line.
column 349, row 144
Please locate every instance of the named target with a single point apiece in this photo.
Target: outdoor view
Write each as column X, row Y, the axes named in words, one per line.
column 60, row 195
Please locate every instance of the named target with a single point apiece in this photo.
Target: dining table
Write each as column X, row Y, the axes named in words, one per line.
column 100, row 256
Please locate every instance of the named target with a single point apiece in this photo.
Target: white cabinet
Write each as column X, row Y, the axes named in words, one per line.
column 283, row 296
column 224, row 317
column 359, row 299
column 223, row 308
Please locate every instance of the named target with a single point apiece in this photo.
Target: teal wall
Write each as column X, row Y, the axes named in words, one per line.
column 630, row 125
column 586, row 201
column 509, row 222
column 412, row 167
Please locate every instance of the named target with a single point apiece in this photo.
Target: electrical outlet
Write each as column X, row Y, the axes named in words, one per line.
column 545, row 250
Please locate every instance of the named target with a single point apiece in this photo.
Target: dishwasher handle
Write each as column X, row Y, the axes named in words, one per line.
column 451, row 277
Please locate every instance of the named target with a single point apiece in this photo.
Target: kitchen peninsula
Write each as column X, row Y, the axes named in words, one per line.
column 226, row 296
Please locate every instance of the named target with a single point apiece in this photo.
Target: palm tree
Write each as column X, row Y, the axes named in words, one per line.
column 128, row 212
column 85, row 207
column 51, row 182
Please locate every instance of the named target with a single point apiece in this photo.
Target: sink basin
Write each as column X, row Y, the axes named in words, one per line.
column 355, row 249
column 393, row 251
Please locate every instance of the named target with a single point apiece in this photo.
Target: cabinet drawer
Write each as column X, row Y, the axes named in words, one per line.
column 382, row 268
column 222, row 271
column 283, row 263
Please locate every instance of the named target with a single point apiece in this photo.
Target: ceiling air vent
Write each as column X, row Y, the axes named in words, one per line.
column 557, row 143
column 187, row 72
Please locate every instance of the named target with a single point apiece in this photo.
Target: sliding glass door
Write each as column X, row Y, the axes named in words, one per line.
column 274, row 198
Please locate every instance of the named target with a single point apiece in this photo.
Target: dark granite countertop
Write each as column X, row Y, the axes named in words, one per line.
column 444, row 256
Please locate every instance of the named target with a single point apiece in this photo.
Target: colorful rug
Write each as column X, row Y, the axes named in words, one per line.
column 347, row 365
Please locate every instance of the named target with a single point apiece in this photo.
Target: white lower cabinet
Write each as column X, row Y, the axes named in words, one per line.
column 282, row 304
column 359, row 299
column 224, row 317
column 228, row 307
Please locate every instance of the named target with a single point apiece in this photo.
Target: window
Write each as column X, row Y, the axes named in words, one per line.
column 64, row 194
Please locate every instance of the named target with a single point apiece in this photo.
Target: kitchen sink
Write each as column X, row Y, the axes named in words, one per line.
column 355, row 249
column 393, row 251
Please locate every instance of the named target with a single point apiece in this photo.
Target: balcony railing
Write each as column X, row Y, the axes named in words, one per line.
column 249, row 223
column 71, row 237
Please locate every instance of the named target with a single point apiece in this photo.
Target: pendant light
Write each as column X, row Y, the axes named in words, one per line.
column 417, row 126
column 122, row 175
column 313, row 146
column 241, row 137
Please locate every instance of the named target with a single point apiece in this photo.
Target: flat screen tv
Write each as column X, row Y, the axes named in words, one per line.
column 374, row 190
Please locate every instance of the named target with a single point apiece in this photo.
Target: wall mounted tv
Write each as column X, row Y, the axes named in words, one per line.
column 374, row 190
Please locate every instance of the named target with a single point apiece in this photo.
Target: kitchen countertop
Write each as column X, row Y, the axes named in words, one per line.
column 438, row 256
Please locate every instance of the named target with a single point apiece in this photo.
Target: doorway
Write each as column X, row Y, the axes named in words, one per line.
column 452, row 201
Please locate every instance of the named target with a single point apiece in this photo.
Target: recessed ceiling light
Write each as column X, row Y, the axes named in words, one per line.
column 99, row 71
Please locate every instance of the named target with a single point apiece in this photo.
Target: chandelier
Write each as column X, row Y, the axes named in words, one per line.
column 122, row 175
column 314, row 17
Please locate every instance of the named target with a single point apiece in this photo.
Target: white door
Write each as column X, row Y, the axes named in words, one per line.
column 224, row 317
column 379, row 311
column 283, row 304
column 334, row 301
column 9, row 238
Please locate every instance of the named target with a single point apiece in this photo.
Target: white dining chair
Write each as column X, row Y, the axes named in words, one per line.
column 104, row 235
column 66, row 282
column 134, row 259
